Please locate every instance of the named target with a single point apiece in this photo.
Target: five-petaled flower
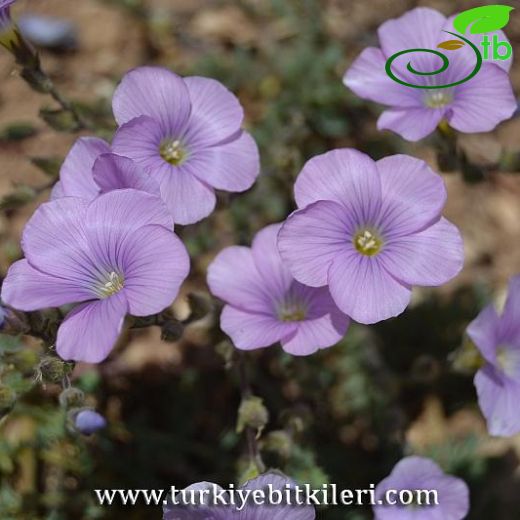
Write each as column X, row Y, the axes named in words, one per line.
column 477, row 105
column 266, row 305
column 436, row 496
column 201, row 502
column 369, row 231
column 498, row 382
column 117, row 255
column 185, row 132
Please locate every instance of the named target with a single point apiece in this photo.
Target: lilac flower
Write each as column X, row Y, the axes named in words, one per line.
column 369, row 231
column 498, row 381
column 186, row 134
column 116, row 254
column 187, row 510
column 266, row 305
column 477, row 105
column 419, row 473
column 91, row 169
column 88, row 422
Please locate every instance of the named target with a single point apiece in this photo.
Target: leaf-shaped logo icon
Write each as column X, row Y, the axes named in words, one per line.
column 451, row 45
column 487, row 18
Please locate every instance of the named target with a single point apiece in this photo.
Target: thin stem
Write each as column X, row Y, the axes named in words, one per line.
column 251, row 436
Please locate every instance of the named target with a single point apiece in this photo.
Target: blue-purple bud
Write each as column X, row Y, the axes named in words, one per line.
column 88, row 422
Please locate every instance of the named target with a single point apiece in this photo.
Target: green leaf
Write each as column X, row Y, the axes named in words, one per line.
column 483, row 19
column 48, row 165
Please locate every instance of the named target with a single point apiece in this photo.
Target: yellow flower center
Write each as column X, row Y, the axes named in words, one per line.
column 367, row 242
column 113, row 285
column 508, row 360
column 291, row 311
column 173, row 152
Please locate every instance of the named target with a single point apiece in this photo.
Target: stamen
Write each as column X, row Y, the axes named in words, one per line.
column 437, row 98
column 173, row 152
column 291, row 310
column 112, row 286
column 367, row 242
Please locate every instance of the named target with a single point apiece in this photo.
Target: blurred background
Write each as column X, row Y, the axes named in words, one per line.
column 345, row 415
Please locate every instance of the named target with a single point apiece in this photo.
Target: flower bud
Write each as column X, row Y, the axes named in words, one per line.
column 53, row 369
column 200, row 306
column 89, row 421
column 280, row 442
column 252, row 413
column 72, row 398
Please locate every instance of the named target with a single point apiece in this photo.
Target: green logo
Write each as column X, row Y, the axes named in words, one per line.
column 479, row 20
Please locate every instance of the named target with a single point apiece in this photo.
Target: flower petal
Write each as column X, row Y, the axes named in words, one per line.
column 114, row 216
column 114, row 172
column 484, row 331
column 364, row 290
column 57, row 191
column 54, row 241
column 322, row 332
column 368, row 79
column 90, row 330
column 250, row 330
column 275, row 275
column 234, row 278
column 188, row 199
column 140, row 140
column 345, row 176
column 418, row 28
column 155, row 264
column 411, row 124
column 76, row 171
column 216, row 113
column 413, row 195
column 231, row 166
column 498, row 398
column 155, row 92
column 28, row 289
column 311, row 238
column 483, row 102
column 510, row 320
column 429, row 258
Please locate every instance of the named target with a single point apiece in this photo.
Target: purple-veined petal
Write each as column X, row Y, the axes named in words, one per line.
column 322, row 332
column 413, row 195
column 364, row 290
column 345, row 176
column 114, row 172
column 234, row 278
column 28, row 289
column 188, row 199
column 76, row 171
column 216, row 113
column 275, row 275
column 412, row 124
column 115, row 215
column 311, row 238
column 54, row 241
column 90, row 330
column 140, row 140
column 249, row 330
column 57, row 191
column 484, row 331
column 419, row 28
column 155, row 263
column 231, row 166
column 367, row 78
column 483, row 102
column 431, row 257
column 498, row 398
column 510, row 320
column 155, row 92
